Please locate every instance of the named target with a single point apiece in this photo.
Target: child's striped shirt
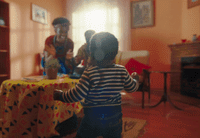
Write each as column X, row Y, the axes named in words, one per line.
column 101, row 86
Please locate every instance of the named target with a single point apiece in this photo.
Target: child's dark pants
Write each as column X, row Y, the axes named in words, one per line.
column 101, row 121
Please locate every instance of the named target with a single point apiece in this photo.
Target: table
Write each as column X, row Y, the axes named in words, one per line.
column 165, row 97
column 28, row 108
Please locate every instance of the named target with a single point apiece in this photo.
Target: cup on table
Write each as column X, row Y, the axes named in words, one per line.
column 183, row 40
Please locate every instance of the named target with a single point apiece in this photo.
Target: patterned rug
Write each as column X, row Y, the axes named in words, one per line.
column 132, row 127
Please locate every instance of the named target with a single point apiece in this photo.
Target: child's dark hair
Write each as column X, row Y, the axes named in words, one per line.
column 60, row 20
column 103, row 48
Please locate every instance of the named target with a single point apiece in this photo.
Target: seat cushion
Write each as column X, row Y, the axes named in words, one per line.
column 118, row 57
column 141, row 56
column 135, row 66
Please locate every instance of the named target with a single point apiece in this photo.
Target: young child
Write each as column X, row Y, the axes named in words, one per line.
column 100, row 87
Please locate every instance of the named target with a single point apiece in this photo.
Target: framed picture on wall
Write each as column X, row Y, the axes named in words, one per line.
column 142, row 13
column 39, row 14
column 193, row 3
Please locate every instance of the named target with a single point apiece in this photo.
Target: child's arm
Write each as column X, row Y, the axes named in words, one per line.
column 134, row 75
column 74, row 94
column 131, row 82
column 57, row 93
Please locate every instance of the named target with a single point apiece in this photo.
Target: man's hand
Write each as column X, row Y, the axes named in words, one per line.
column 69, row 54
column 56, row 94
column 77, row 59
column 50, row 49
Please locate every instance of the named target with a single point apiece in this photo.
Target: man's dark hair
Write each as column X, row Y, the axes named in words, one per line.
column 103, row 48
column 88, row 35
column 60, row 20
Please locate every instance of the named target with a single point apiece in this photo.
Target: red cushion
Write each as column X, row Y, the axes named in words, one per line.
column 83, row 62
column 135, row 66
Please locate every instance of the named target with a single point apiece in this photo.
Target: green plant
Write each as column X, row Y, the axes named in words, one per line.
column 52, row 63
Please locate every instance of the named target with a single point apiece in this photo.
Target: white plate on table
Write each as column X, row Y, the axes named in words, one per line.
column 33, row 78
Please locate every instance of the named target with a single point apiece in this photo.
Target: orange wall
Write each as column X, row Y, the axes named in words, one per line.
column 173, row 21
column 27, row 37
column 190, row 21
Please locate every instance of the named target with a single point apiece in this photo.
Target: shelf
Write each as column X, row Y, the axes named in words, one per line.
column 3, row 75
column 3, row 26
column 3, row 50
column 185, row 44
column 4, row 42
column 191, row 67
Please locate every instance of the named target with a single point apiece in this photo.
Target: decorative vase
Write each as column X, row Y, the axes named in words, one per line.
column 51, row 73
column 2, row 22
column 198, row 39
column 194, row 38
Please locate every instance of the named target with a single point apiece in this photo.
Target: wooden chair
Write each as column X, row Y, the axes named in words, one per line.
column 145, row 86
column 39, row 58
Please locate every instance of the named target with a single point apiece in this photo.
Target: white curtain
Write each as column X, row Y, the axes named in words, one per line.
column 100, row 15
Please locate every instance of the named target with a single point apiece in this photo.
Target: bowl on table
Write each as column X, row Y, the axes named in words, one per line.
column 183, row 40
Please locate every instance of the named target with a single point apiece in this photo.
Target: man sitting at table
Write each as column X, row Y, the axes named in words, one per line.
column 82, row 56
column 83, row 52
column 60, row 46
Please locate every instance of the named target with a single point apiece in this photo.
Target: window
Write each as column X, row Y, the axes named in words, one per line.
column 100, row 15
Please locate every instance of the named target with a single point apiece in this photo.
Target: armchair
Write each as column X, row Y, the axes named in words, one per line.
column 141, row 57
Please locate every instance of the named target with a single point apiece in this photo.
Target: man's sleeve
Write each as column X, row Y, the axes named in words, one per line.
column 70, row 44
column 79, row 56
column 49, row 41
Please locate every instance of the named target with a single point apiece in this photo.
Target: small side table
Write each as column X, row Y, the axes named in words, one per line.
column 165, row 97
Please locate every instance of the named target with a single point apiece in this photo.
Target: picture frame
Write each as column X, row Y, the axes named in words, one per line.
column 142, row 13
column 39, row 14
column 193, row 3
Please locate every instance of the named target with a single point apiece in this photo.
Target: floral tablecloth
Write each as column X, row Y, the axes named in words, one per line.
column 28, row 109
